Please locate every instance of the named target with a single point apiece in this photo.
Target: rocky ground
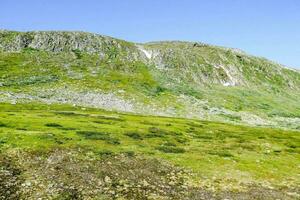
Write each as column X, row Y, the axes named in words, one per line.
column 78, row 174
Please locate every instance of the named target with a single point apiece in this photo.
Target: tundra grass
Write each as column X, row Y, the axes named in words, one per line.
column 213, row 150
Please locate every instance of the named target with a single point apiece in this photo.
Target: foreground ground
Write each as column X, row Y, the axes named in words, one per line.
column 65, row 152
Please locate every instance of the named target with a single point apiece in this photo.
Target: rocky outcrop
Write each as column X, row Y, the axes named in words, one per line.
column 58, row 41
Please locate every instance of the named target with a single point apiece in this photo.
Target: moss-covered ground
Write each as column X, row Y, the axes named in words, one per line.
column 221, row 157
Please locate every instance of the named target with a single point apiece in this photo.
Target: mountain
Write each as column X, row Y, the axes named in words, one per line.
column 183, row 79
column 86, row 116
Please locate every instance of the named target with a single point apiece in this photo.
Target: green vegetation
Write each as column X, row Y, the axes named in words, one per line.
column 227, row 157
column 170, row 149
column 51, row 76
column 37, row 126
column 56, row 142
column 93, row 135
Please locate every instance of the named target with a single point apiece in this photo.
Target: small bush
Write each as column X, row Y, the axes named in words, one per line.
column 264, row 106
column 2, row 141
column 53, row 125
column 29, row 49
column 31, row 80
column 181, row 140
column 46, row 136
column 159, row 90
column 68, row 128
column 2, row 124
column 65, row 113
column 149, row 123
column 110, row 118
column 103, row 122
column 170, row 149
column 206, row 137
column 195, row 125
column 21, row 129
column 129, row 153
column 77, row 53
column 248, row 146
column 170, row 144
column 68, row 113
column 156, row 132
column 94, row 135
column 106, row 153
column 154, row 135
column 291, row 145
column 221, row 153
column 134, row 135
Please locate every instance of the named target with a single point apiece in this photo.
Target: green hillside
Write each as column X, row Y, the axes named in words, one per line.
column 178, row 79
column 85, row 116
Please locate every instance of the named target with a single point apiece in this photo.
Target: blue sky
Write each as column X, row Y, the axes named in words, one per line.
column 268, row 28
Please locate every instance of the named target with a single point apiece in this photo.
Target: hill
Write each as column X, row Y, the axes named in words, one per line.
column 181, row 79
column 85, row 116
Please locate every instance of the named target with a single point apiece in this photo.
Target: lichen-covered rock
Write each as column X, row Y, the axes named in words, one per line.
column 58, row 41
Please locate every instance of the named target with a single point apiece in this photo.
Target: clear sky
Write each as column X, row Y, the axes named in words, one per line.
column 268, row 28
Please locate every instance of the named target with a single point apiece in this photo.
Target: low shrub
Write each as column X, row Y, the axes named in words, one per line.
column 2, row 124
column 156, row 132
column 134, row 135
column 170, row 149
column 53, row 125
column 94, row 135
column 221, row 153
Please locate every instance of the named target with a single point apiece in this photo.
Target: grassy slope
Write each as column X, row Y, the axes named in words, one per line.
column 33, row 72
column 261, row 86
column 221, row 154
